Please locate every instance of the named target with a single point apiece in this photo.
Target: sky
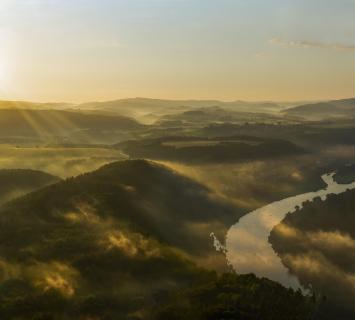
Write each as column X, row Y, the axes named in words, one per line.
column 90, row 50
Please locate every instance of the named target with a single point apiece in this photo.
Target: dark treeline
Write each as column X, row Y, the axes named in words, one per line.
column 230, row 149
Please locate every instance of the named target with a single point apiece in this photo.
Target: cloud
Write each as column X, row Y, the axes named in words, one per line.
column 325, row 241
column 312, row 44
column 332, row 240
column 109, row 234
column 325, row 277
column 260, row 55
column 321, row 260
column 132, row 244
column 45, row 276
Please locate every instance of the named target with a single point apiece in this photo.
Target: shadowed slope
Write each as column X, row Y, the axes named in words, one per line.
column 17, row 182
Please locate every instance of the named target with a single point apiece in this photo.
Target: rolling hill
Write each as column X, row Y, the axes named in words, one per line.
column 160, row 104
column 208, row 150
column 62, row 126
column 323, row 110
column 15, row 183
column 8, row 104
column 141, row 196
column 117, row 243
column 115, row 235
column 151, row 110
column 208, row 115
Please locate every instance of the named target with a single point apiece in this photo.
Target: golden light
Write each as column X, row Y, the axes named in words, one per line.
column 2, row 71
column 8, row 57
column 5, row 74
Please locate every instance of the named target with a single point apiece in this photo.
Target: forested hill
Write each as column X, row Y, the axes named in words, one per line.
column 209, row 150
column 113, row 243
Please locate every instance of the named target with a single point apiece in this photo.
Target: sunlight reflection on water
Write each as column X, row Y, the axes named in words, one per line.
column 247, row 246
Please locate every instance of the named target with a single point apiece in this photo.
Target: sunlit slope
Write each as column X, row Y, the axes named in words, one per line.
column 125, row 208
column 62, row 125
column 61, row 161
column 8, row 104
column 146, row 197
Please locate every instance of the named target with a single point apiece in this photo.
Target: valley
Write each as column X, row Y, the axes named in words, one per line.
column 104, row 216
column 177, row 160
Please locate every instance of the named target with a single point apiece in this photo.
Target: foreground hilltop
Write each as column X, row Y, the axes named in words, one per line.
column 127, row 230
column 113, row 243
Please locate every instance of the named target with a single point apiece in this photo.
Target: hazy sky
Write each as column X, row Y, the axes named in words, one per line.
column 80, row 50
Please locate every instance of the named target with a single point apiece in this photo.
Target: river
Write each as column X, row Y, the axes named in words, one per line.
column 247, row 247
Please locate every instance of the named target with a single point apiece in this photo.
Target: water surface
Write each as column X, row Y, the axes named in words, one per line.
column 247, row 247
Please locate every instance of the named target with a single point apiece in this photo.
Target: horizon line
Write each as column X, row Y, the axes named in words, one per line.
column 173, row 99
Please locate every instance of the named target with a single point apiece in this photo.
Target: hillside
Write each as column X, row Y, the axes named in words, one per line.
column 151, row 110
column 8, row 104
column 145, row 197
column 112, row 244
column 323, row 110
column 236, row 297
column 127, row 230
column 208, row 150
column 63, row 125
column 215, row 114
column 160, row 104
column 15, row 183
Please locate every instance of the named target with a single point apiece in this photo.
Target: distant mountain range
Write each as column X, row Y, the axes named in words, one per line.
column 149, row 104
column 145, row 107
column 324, row 110
column 156, row 104
column 150, row 110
